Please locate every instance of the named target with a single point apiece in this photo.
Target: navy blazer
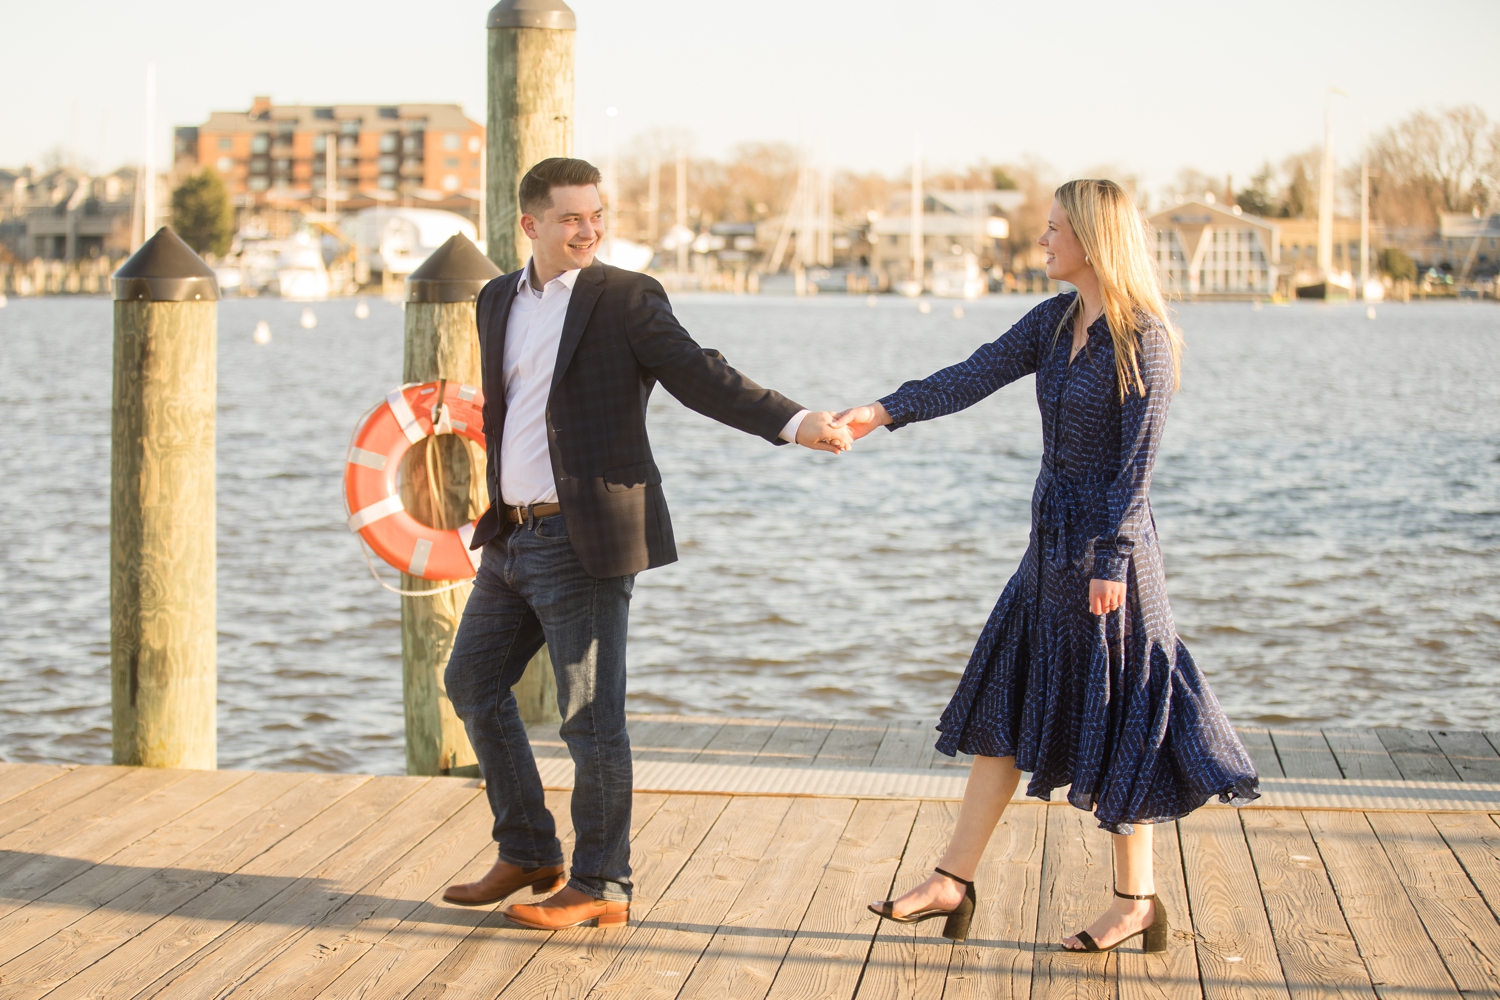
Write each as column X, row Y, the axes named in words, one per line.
column 619, row 339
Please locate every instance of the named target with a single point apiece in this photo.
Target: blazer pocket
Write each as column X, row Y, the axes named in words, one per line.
column 629, row 477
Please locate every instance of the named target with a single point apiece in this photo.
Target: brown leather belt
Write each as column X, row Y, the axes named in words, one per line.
column 535, row 512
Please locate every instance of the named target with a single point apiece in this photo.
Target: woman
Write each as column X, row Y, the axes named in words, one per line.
column 1079, row 677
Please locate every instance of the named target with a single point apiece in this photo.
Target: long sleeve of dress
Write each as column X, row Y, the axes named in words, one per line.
column 959, row 386
column 1142, row 419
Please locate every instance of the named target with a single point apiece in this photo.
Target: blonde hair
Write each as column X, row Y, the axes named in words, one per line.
column 1113, row 235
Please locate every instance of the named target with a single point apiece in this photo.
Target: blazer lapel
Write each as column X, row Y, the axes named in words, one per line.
column 494, row 332
column 580, row 306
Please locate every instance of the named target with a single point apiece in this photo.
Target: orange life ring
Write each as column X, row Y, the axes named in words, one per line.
column 370, row 492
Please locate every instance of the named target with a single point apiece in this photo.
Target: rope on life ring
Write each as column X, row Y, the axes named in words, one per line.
column 372, row 499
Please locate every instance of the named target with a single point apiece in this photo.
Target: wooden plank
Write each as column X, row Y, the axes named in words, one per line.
column 995, row 963
column 1360, row 754
column 31, row 807
column 1416, row 755
column 1401, row 959
column 907, row 743
column 1236, row 953
column 911, row 961
column 1318, row 955
column 310, row 965
column 49, row 828
column 1469, row 753
column 573, row 961
column 851, row 743
column 233, row 957
column 753, row 938
column 1262, row 751
column 18, row 779
column 670, row 739
column 439, row 932
column 99, row 885
column 737, row 742
column 29, row 875
column 795, row 743
column 1077, row 872
column 568, row 963
column 1475, row 841
column 1304, row 753
column 1455, row 915
column 126, row 904
column 1173, row 975
column 828, row 954
column 657, row 959
column 218, row 901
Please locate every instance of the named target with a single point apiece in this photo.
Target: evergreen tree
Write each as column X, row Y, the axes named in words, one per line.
column 201, row 213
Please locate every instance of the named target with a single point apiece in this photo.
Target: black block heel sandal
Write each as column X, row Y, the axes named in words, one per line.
column 959, row 918
column 1154, row 936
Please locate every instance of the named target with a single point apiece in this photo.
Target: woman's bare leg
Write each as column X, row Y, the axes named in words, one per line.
column 1133, row 874
column 992, row 782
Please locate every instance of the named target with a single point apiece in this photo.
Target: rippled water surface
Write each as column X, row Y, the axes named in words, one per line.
column 1328, row 497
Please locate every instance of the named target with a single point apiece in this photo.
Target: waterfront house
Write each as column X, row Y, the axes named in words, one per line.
column 1208, row 250
column 970, row 226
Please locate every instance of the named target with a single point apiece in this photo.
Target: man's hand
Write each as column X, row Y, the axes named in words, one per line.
column 1105, row 596
column 861, row 420
column 819, row 433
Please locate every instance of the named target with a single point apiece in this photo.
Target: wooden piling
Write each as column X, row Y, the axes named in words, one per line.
column 443, row 485
column 163, row 641
column 530, row 111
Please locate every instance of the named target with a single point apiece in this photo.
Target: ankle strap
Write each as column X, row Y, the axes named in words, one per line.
column 1127, row 895
column 961, row 881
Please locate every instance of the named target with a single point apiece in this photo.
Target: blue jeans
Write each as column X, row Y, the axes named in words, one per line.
column 532, row 588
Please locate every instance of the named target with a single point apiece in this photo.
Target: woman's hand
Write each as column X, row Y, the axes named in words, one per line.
column 1105, row 596
column 861, row 420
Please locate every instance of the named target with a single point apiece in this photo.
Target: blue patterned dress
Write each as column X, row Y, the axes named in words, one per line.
column 1112, row 706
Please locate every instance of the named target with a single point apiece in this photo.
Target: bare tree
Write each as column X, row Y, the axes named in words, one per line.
column 1435, row 161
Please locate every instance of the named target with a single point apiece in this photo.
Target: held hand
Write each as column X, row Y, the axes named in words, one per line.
column 818, row 432
column 1105, row 596
column 861, row 420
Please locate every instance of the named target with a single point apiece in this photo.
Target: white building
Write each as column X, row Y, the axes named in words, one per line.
column 1208, row 250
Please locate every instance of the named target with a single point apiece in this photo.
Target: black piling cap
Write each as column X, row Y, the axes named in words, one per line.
column 455, row 272
column 533, row 14
column 165, row 269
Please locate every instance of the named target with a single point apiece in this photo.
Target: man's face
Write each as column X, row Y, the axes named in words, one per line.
column 566, row 234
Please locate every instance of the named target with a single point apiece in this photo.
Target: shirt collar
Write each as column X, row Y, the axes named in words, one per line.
column 568, row 279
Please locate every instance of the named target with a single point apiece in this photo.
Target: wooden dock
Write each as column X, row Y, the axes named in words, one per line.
column 124, row 882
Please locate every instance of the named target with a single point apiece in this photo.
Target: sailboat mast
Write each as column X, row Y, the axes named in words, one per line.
column 918, row 256
column 1325, row 195
column 1364, row 225
column 148, row 204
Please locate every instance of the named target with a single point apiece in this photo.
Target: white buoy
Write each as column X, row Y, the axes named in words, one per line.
column 361, row 309
column 262, row 334
column 309, row 319
column 872, row 301
column 1255, row 306
column 3, row 300
column 1370, row 312
column 958, row 312
column 924, row 307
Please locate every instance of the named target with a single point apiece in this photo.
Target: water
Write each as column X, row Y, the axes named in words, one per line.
column 1328, row 498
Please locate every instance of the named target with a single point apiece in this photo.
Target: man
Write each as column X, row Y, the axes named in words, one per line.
column 571, row 350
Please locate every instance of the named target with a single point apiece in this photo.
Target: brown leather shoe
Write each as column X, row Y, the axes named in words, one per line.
column 504, row 879
column 569, row 908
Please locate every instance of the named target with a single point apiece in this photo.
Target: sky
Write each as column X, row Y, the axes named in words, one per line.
column 1145, row 88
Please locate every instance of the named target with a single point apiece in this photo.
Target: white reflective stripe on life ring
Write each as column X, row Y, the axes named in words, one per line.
column 466, row 535
column 369, row 459
column 419, row 554
column 380, row 508
column 405, row 419
column 467, row 393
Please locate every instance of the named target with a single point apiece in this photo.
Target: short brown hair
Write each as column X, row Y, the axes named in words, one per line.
column 555, row 171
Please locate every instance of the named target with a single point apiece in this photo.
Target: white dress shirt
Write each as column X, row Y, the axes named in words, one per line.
column 532, row 334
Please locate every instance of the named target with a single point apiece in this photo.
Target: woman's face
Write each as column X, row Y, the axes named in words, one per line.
column 1065, row 257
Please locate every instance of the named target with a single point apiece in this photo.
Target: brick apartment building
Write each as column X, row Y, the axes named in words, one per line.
column 273, row 155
